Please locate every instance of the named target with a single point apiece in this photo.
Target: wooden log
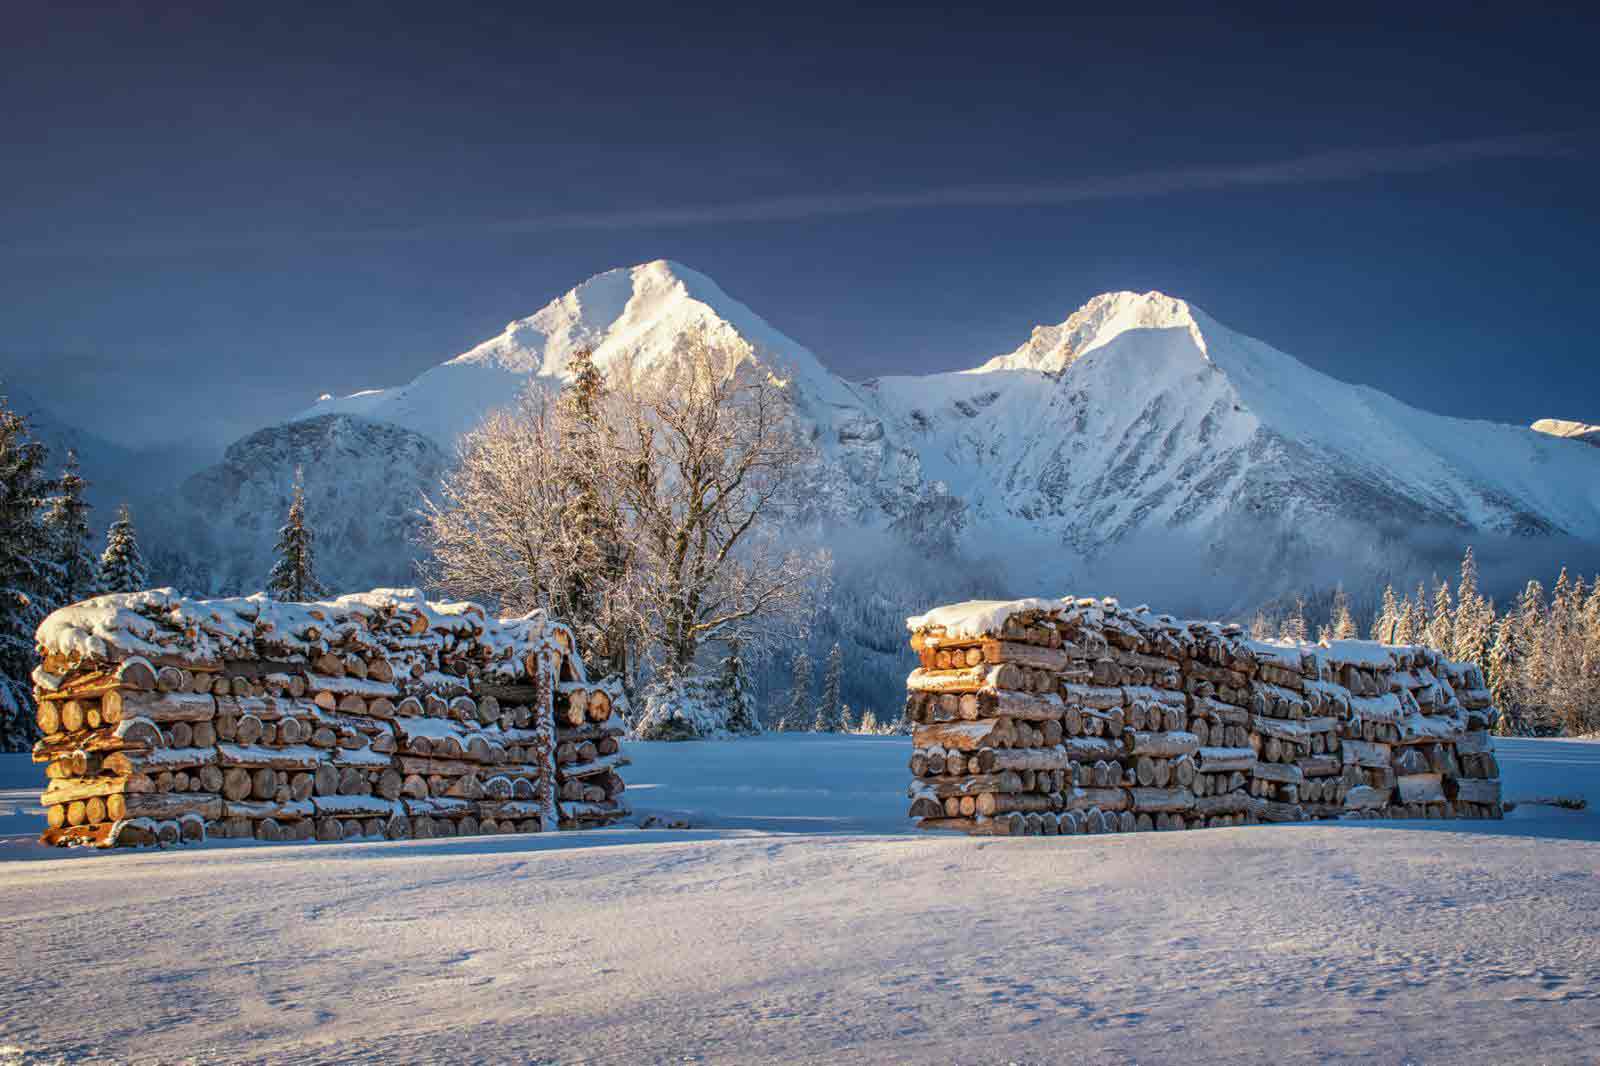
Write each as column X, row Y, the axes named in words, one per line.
column 984, row 678
column 1160, row 745
column 1161, row 799
column 1364, row 798
column 991, row 759
column 1364, row 754
column 118, row 706
column 1420, row 788
column 1223, row 760
column 971, row 785
column 990, row 803
column 1286, row 773
column 1034, row 656
column 965, row 736
column 1105, row 799
column 84, row 787
column 1225, row 803
column 171, row 805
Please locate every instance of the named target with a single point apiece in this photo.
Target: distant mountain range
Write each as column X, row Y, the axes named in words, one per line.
column 1138, row 425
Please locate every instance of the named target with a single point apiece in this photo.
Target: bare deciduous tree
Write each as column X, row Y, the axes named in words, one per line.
column 687, row 467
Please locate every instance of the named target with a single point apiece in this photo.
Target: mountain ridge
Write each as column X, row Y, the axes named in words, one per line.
column 1139, row 416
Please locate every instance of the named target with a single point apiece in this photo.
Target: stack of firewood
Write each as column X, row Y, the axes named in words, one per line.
column 378, row 715
column 1070, row 716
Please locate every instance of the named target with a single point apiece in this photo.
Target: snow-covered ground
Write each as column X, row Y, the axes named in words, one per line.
column 801, row 922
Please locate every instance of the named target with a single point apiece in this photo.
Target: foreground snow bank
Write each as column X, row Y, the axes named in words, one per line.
column 1336, row 942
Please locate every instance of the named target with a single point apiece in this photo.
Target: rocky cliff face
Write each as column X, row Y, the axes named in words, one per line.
column 364, row 481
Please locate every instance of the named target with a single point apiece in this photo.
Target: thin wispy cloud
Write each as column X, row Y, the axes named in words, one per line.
column 1338, row 165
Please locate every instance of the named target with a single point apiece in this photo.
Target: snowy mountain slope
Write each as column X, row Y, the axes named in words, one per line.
column 1139, row 417
column 364, row 482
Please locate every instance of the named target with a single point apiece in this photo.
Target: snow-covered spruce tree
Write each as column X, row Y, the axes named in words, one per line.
column 1294, row 625
column 1505, row 661
column 294, row 575
column 1343, row 625
column 1472, row 633
column 66, row 519
column 30, row 579
column 121, row 565
column 1261, row 627
column 847, row 719
column 1383, row 626
column 596, row 524
column 1441, row 625
column 798, row 714
column 737, row 694
column 828, row 718
column 869, row 721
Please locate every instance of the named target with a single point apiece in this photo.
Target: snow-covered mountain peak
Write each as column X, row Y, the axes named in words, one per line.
column 1051, row 349
column 634, row 317
column 1561, row 427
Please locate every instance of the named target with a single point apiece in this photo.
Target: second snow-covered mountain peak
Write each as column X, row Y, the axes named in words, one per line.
column 1051, row 349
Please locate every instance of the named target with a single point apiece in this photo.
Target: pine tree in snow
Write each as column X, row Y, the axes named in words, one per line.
column 1505, row 661
column 737, row 692
column 798, row 714
column 66, row 520
column 828, row 718
column 1413, row 627
column 1294, row 625
column 1388, row 620
column 869, row 721
column 1441, row 625
column 1472, row 631
column 121, row 565
column 1261, row 627
column 294, row 575
column 1344, row 623
column 847, row 719
column 30, row 579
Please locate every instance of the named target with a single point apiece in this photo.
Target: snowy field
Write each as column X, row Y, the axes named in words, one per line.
column 799, row 921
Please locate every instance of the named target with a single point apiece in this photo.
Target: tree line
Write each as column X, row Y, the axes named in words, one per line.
column 48, row 560
column 1540, row 655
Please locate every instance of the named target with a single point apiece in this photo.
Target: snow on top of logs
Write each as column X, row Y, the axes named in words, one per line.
column 981, row 618
column 161, row 625
column 1368, row 653
column 1282, row 653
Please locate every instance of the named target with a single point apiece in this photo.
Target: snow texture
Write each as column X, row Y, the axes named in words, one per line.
column 798, row 921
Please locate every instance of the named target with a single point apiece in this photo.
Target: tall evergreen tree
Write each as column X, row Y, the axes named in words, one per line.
column 593, row 523
column 828, row 718
column 1473, row 629
column 1505, row 661
column 1344, row 623
column 1294, row 625
column 121, row 565
column 737, row 692
column 1441, row 624
column 30, row 579
column 294, row 575
column 66, row 519
column 1383, row 627
column 798, row 714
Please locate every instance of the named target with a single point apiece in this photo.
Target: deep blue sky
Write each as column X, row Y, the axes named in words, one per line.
column 208, row 217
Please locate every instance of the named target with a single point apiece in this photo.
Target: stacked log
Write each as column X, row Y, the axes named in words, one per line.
column 168, row 720
column 589, row 752
column 1077, row 715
